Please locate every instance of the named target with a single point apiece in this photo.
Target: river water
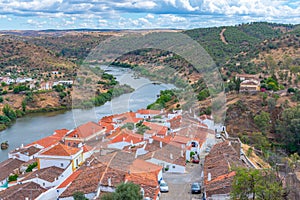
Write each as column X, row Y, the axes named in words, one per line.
column 35, row 126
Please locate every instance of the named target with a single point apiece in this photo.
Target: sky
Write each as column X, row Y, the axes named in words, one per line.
column 142, row 14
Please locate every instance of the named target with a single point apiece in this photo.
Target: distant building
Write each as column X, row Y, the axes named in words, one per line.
column 250, row 85
column 244, row 77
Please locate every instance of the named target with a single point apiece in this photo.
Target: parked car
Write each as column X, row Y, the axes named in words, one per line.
column 218, row 135
column 196, row 188
column 195, row 159
column 207, row 149
column 163, row 186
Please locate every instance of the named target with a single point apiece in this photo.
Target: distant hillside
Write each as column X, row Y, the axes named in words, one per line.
column 241, row 40
column 72, row 45
column 19, row 55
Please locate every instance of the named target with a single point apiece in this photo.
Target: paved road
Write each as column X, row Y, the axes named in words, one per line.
column 180, row 184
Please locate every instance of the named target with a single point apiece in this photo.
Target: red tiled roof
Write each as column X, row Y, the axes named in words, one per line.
column 70, row 179
column 181, row 139
column 148, row 182
column 21, row 191
column 60, row 133
column 148, row 112
column 141, row 166
column 218, row 164
column 60, row 150
column 50, row 140
column 108, row 126
column 8, row 166
column 86, row 148
column 128, row 117
column 116, row 132
column 49, row 174
column 85, row 130
column 86, row 181
column 159, row 129
column 165, row 139
column 128, row 136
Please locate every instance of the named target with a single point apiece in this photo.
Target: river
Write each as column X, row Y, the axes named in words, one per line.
column 35, row 126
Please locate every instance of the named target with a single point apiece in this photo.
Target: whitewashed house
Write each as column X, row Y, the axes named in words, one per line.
column 60, row 156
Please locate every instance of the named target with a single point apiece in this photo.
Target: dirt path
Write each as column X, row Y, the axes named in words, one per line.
column 222, row 36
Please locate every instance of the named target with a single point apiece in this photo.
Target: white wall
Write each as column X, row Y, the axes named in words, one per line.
column 172, row 167
column 121, row 145
column 54, row 162
column 21, row 156
column 160, row 176
column 118, row 145
column 50, row 194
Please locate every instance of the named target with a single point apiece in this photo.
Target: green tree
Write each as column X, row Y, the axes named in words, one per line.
column 79, row 196
column 24, row 102
column 129, row 126
column 262, row 121
column 4, row 120
column 288, row 129
column 128, row 191
column 9, row 112
column 256, row 184
column 271, row 104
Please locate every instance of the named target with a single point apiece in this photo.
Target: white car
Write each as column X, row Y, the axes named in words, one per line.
column 163, row 186
column 218, row 135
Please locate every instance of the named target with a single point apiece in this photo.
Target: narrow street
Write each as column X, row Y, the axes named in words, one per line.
column 180, row 184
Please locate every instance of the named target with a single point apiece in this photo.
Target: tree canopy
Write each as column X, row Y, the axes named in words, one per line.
column 256, row 184
column 288, row 129
column 128, row 191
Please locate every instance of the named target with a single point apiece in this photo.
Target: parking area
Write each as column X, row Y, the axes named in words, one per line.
column 180, row 184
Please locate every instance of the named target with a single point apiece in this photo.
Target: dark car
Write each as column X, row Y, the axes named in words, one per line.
column 196, row 188
column 195, row 160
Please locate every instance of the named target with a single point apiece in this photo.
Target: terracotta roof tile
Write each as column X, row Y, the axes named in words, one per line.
column 8, row 166
column 29, row 151
column 128, row 136
column 218, row 163
column 159, row 129
column 87, row 181
column 166, row 139
column 148, row 112
column 70, row 179
column 50, row 140
column 148, row 182
column 49, row 174
column 60, row 150
column 85, row 130
column 21, row 191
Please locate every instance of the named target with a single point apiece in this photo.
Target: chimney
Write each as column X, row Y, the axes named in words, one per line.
column 109, row 181
column 209, row 177
column 181, row 153
column 150, row 140
column 123, row 138
column 171, row 156
column 160, row 144
column 131, row 142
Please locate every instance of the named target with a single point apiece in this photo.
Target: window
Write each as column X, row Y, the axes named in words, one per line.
column 174, row 166
column 62, row 164
column 43, row 184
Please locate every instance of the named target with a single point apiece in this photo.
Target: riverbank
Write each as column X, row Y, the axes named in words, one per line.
column 37, row 111
column 36, row 125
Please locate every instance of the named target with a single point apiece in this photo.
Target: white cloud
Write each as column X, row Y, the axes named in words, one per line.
column 150, row 16
column 146, row 13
